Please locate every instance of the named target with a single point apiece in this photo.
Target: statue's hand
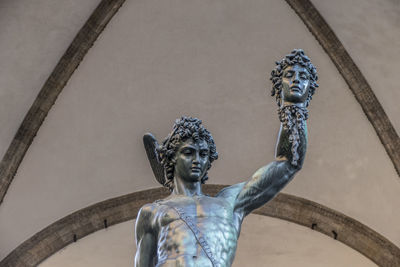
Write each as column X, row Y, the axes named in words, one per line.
column 293, row 118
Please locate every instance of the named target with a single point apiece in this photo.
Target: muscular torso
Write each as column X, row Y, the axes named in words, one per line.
column 164, row 240
column 176, row 243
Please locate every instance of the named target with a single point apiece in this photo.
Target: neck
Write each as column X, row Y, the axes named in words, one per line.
column 300, row 105
column 189, row 189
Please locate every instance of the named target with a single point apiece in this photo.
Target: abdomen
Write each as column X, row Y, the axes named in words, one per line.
column 177, row 245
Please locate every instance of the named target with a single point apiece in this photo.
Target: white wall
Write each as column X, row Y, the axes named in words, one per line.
column 33, row 37
column 369, row 30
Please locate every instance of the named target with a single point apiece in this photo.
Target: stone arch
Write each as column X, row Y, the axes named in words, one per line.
column 99, row 20
column 120, row 209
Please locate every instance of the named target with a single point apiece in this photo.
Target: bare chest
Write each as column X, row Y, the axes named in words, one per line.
column 214, row 219
column 196, row 207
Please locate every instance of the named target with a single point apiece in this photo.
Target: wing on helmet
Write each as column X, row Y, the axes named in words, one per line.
column 151, row 145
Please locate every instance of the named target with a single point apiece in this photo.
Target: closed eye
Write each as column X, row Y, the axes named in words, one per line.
column 187, row 152
column 204, row 153
column 303, row 76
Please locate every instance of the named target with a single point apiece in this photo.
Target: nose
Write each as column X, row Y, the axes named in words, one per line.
column 196, row 158
column 296, row 77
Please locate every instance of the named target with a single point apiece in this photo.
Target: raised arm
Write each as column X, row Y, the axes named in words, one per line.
column 267, row 181
column 146, row 242
column 294, row 83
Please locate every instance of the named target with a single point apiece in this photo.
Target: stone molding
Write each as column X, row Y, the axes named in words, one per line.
column 103, row 14
column 120, row 209
column 352, row 75
column 56, row 82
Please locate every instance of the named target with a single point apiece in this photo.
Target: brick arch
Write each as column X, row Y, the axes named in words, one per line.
column 124, row 208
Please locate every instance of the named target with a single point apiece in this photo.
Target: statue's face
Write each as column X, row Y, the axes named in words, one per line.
column 192, row 159
column 295, row 84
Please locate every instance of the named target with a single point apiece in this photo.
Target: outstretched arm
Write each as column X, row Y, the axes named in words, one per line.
column 146, row 242
column 294, row 82
column 270, row 179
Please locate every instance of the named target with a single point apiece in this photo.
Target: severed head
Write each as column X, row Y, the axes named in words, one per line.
column 294, row 79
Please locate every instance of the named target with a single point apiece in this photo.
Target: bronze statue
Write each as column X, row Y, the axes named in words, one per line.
column 189, row 228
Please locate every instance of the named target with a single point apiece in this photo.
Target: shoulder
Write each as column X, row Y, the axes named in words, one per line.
column 146, row 220
column 148, row 210
column 147, row 213
column 231, row 192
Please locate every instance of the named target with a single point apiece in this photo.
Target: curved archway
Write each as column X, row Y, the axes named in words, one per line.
column 287, row 207
column 104, row 13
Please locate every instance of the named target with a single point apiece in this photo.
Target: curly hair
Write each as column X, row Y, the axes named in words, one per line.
column 297, row 56
column 183, row 129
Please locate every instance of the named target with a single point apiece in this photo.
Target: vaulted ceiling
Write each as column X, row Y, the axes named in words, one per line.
column 156, row 61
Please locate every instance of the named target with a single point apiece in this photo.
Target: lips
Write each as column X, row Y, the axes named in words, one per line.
column 196, row 169
column 295, row 89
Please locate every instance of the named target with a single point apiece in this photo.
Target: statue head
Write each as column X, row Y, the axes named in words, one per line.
column 294, row 79
column 186, row 131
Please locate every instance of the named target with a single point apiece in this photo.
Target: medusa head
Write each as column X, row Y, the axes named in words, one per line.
column 294, row 78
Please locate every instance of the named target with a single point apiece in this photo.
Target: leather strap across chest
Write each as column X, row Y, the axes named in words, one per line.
column 188, row 220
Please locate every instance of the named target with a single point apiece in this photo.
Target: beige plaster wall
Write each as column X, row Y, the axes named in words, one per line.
column 369, row 30
column 33, row 37
column 158, row 60
column 263, row 242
